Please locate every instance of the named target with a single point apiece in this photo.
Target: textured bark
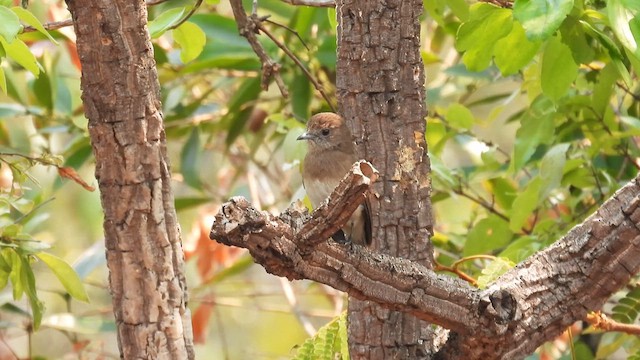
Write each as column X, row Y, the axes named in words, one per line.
column 394, row 293
column 533, row 303
column 142, row 238
column 380, row 81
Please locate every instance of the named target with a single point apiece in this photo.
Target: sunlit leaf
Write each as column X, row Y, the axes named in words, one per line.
column 164, row 21
column 551, row 168
column 66, row 275
column 493, row 271
column 515, row 51
column 19, row 52
column 541, row 18
column 487, row 235
column 478, row 36
column 624, row 23
column 558, row 69
column 537, row 128
column 191, row 40
column 524, row 205
column 9, row 24
column 27, row 17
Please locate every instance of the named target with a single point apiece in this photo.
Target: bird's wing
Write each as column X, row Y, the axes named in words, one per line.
column 368, row 235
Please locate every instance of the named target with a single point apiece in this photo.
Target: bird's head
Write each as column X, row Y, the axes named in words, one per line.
column 327, row 131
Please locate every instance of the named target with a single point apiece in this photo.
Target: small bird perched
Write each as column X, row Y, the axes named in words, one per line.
column 331, row 155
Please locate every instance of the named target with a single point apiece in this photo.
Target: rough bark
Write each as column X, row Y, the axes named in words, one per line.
column 380, row 82
column 533, row 303
column 142, row 237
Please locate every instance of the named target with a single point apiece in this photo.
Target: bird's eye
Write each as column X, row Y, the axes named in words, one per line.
column 324, row 132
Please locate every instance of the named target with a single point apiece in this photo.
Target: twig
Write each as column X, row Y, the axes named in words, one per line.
column 248, row 27
column 601, row 321
column 55, row 25
column 314, row 3
column 50, row 26
column 501, row 3
column 461, row 274
column 191, row 12
column 295, row 59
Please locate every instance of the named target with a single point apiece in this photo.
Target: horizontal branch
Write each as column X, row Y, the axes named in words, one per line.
column 295, row 246
column 532, row 303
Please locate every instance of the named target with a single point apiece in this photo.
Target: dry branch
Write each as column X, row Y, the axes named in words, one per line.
column 532, row 303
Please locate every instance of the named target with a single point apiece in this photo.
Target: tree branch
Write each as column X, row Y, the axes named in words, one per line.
column 296, row 247
column 249, row 27
column 530, row 304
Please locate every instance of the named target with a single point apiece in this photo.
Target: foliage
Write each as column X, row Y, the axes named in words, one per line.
column 328, row 344
column 533, row 121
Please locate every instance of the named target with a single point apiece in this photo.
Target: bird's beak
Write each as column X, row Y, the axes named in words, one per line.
column 306, row 136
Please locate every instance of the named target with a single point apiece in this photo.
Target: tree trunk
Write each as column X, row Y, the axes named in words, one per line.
column 144, row 250
column 380, row 81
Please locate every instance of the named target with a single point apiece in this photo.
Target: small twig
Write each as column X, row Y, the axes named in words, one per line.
column 190, row 14
column 461, row 274
column 296, row 60
column 314, row 3
column 55, row 25
column 248, row 27
column 290, row 30
column 501, row 3
column 459, row 262
column 601, row 321
column 50, row 26
column 636, row 97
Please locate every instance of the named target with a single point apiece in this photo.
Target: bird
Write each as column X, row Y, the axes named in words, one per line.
column 330, row 156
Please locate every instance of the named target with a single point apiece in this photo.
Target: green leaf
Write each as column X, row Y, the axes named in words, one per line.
column 551, row 168
column 13, row 259
column 328, row 343
column 487, row 235
column 521, row 249
column 558, row 69
column 190, row 159
column 239, row 110
column 19, row 52
column 301, row 96
column 624, row 23
column 66, row 275
column 536, row 128
column 164, row 21
column 614, row 52
column 332, row 16
column 515, row 51
column 541, row 18
column 3, row 81
column 29, row 282
column 191, row 40
column 30, row 19
column 493, row 271
column 524, row 205
column 183, row 203
column 460, row 116
column 477, row 37
column 9, row 24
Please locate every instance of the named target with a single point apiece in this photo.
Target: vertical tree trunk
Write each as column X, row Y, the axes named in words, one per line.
column 144, row 252
column 380, row 80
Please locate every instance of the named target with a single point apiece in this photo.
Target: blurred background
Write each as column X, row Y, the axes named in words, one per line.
column 514, row 167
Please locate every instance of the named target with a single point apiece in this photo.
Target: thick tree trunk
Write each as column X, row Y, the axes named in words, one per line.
column 144, row 251
column 380, row 81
